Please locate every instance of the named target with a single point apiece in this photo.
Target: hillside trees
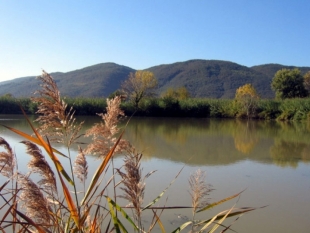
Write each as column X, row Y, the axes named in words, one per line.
column 289, row 84
column 139, row 85
column 246, row 99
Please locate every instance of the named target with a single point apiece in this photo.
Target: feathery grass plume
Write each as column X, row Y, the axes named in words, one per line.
column 55, row 120
column 80, row 166
column 33, row 201
column 104, row 133
column 7, row 159
column 199, row 190
column 39, row 165
column 134, row 184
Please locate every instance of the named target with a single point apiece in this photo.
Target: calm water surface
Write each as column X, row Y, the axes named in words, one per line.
column 269, row 160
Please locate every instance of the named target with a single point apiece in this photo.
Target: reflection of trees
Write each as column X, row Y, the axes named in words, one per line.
column 205, row 141
column 245, row 136
column 286, row 153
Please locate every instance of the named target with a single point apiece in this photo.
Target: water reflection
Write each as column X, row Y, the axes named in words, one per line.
column 205, row 141
column 245, row 136
column 285, row 153
column 220, row 142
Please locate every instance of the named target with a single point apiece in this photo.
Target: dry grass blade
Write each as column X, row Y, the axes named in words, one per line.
column 72, row 207
column 219, row 202
column 162, row 228
column 32, row 139
column 182, row 227
column 219, row 223
column 39, row 228
column 163, row 192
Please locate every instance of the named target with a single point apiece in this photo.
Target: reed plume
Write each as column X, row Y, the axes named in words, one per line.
column 55, row 120
column 7, row 159
column 199, row 190
column 33, row 201
column 80, row 166
column 134, row 185
column 39, row 165
column 104, row 133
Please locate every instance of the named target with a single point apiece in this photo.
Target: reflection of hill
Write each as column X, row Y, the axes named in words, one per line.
column 206, row 141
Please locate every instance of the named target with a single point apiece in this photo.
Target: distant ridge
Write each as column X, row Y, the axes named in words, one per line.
column 203, row 78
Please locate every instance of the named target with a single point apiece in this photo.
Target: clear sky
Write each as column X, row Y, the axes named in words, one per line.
column 65, row 35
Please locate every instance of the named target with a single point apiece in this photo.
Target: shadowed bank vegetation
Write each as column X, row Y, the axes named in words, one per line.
column 287, row 109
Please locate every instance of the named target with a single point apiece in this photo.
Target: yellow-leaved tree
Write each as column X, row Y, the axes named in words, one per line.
column 139, row 85
column 180, row 93
column 246, row 98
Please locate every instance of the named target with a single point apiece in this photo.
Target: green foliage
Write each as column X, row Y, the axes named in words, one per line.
column 268, row 109
column 10, row 105
column 87, row 106
column 294, row 109
column 289, row 84
column 307, row 81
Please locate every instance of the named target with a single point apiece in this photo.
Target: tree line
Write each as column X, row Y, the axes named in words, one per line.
column 139, row 97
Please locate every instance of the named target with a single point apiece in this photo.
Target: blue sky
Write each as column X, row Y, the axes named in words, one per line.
column 65, row 35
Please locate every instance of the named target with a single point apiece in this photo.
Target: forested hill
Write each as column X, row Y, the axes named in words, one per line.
column 203, row 78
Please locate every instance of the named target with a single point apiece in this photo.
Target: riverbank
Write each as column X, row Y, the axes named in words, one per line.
column 266, row 109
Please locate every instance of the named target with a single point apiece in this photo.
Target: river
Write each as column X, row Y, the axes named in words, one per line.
column 269, row 161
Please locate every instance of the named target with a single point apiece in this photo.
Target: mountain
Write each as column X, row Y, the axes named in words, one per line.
column 211, row 78
column 203, row 78
column 93, row 81
column 271, row 69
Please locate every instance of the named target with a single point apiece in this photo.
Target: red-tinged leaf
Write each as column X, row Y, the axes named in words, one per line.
column 32, row 139
column 71, row 206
